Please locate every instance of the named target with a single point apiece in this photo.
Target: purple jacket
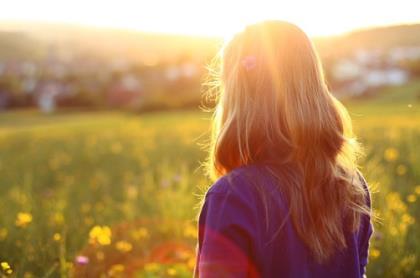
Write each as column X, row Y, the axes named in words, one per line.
column 235, row 240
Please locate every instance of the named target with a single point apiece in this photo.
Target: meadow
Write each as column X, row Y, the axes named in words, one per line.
column 115, row 194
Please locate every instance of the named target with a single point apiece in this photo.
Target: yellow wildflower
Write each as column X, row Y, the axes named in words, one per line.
column 23, row 219
column 391, row 154
column 6, row 267
column 375, row 253
column 57, row 218
column 100, row 234
column 115, row 270
column 190, row 231
column 57, row 237
column 417, row 189
column 124, row 246
column 411, row 198
column 171, row 271
column 407, row 219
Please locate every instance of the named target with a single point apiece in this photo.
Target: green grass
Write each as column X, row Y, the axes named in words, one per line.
column 139, row 176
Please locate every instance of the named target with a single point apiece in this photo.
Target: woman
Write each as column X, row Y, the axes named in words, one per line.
column 289, row 200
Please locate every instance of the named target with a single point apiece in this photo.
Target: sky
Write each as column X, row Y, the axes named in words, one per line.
column 215, row 17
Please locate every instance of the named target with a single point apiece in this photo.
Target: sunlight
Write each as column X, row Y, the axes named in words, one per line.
column 213, row 18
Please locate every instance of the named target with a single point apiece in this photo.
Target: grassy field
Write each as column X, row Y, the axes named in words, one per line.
column 111, row 194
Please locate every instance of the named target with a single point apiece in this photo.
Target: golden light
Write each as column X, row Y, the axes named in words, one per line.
column 214, row 18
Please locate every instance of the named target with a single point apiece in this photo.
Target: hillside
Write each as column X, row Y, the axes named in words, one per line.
column 148, row 47
column 372, row 38
column 104, row 43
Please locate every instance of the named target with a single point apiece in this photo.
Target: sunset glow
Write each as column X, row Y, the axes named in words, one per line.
column 214, row 18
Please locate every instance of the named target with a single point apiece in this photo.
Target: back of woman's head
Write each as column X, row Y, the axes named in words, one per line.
column 274, row 109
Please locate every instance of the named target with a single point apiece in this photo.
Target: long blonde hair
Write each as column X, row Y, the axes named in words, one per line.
column 274, row 109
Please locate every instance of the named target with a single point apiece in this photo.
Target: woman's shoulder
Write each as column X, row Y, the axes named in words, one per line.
column 250, row 185
column 238, row 181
